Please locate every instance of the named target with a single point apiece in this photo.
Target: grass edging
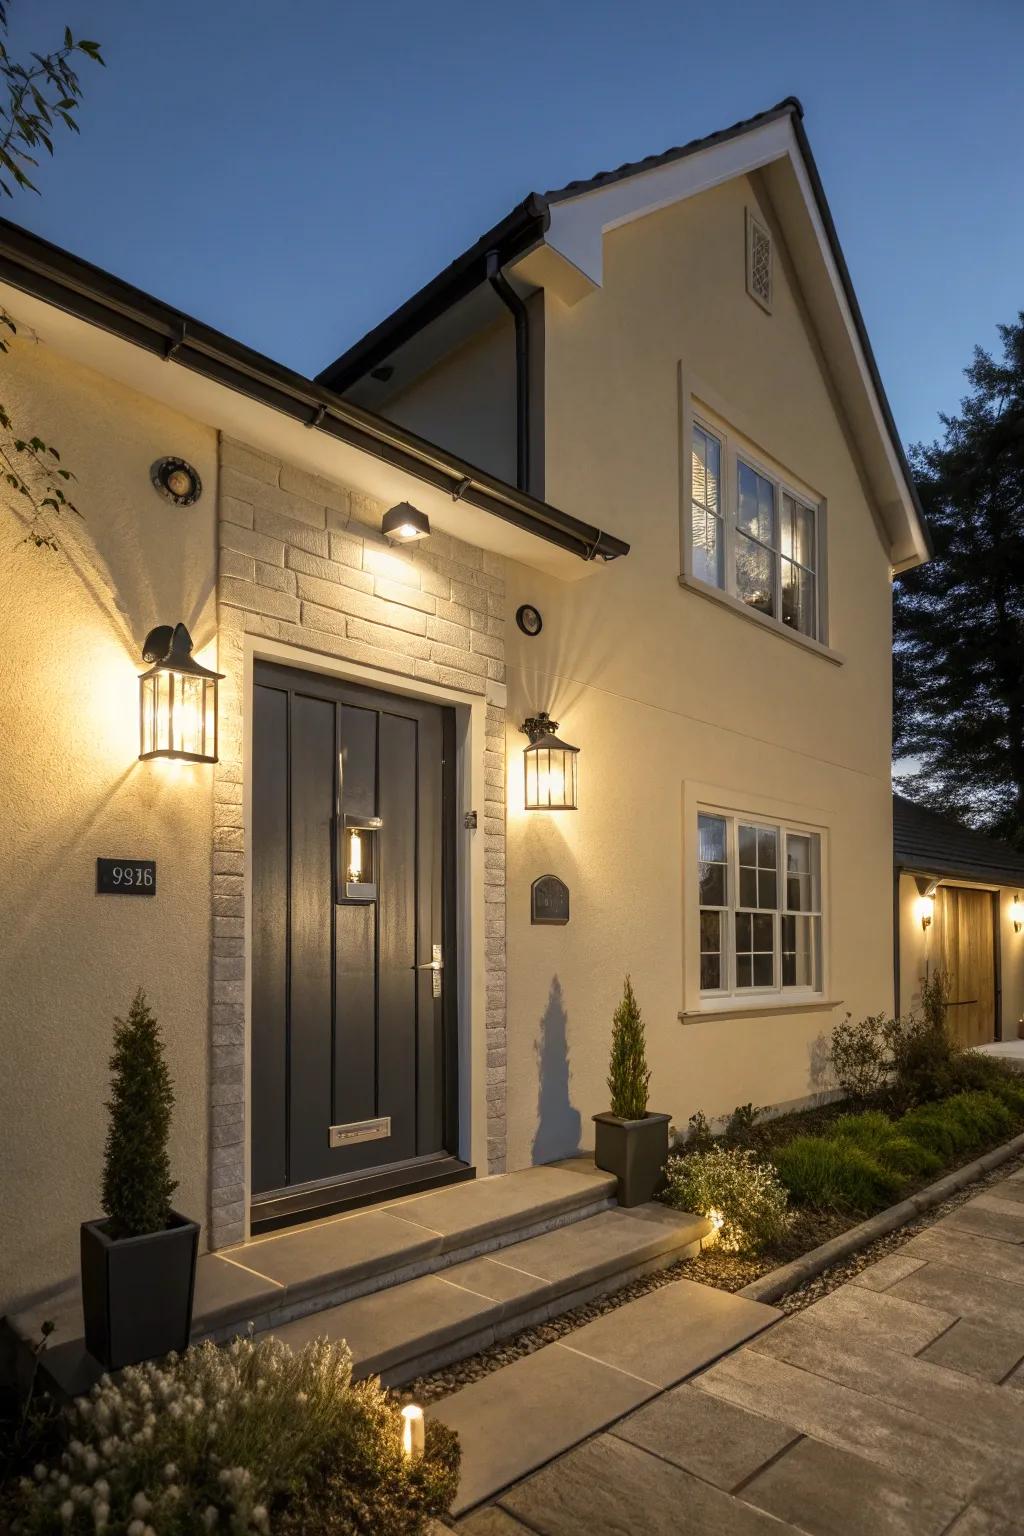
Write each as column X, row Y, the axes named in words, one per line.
column 779, row 1282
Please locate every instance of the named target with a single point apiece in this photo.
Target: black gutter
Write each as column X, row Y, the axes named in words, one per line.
column 512, row 302
column 512, row 237
column 35, row 266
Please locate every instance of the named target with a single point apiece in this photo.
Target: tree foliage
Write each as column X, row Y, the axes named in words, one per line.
column 959, row 621
column 628, row 1073
column 137, row 1183
column 37, row 98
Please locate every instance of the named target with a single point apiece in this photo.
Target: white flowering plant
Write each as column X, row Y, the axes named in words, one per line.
column 250, row 1438
column 743, row 1198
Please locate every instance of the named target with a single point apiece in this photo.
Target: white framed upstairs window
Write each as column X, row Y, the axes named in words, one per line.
column 759, row 892
column 753, row 535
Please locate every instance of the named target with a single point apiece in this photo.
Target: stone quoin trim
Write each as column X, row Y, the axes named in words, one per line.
column 299, row 563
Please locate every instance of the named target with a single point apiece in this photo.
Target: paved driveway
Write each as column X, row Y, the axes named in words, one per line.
column 893, row 1405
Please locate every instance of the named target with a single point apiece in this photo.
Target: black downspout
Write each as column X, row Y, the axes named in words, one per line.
column 508, row 296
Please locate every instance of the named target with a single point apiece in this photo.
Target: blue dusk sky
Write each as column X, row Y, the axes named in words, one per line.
column 291, row 172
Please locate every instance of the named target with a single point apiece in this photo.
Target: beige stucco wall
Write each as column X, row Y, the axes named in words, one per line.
column 921, row 949
column 672, row 697
column 467, row 401
column 71, row 789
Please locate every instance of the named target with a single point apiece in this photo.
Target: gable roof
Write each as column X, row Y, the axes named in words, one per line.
column 928, row 843
column 569, row 221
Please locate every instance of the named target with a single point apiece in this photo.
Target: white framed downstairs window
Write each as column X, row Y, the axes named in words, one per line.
column 759, row 893
column 753, row 534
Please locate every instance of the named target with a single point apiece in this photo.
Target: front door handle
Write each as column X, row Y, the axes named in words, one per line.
column 436, row 964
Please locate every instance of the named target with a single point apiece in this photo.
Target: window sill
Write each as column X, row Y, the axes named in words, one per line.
column 758, row 1010
column 773, row 626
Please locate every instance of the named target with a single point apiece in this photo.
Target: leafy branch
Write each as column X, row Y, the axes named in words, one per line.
column 41, row 96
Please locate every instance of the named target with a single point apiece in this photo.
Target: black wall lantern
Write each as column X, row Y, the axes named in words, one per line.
column 550, row 766
column 177, row 699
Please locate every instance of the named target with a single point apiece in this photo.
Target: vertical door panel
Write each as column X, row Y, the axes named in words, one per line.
column 355, row 1023
column 429, row 1052
column 396, row 927
column 269, row 937
column 312, row 932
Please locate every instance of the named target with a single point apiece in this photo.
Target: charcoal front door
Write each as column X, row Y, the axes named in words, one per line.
column 353, row 1049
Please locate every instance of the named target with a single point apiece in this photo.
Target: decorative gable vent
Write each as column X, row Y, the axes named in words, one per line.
column 759, row 262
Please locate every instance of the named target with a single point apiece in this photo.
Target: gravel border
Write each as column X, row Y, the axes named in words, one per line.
column 823, row 1269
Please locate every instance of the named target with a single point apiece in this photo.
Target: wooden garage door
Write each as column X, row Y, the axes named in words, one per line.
column 967, row 935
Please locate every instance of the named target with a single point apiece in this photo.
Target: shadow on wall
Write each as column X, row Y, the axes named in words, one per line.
column 558, row 1123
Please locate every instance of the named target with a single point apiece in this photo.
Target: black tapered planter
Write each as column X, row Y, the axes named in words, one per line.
column 137, row 1291
column 636, row 1151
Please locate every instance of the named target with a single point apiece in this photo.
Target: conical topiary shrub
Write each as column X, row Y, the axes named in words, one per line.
column 630, row 1141
column 137, row 1183
column 628, row 1074
column 139, row 1264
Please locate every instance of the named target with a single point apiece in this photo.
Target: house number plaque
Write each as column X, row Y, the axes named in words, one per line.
column 549, row 900
column 126, row 877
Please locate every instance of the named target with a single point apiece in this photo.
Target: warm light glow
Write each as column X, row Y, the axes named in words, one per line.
column 716, row 1219
column 413, row 1431
column 926, row 910
column 1017, row 914
column 550, row 768
column 355, row 857
column 178, row 714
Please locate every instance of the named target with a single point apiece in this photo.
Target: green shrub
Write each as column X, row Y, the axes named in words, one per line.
column 924, row 1057
column 137, row 1183
column 930, row 1127
column 242, row 1439
column 935, row 990
column 740, row 1196
column 628, row 1073
column 834, row 1173
column 740, row 1128
column 860, row 1055
column 959, row 1124
column 988, row 1074
column 699, row 1137
column 880, row 1137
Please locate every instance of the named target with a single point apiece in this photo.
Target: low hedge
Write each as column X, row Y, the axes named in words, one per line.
column 866, row 1160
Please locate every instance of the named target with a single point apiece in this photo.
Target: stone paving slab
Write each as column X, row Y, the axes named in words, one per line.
column 600, row 1246
column 480, row 1208
column 899, row 1440
column 924, row 1386
column 609, row 1486
column 998, row 1303
column 893, row 1267
column 974, row 1521
column 388, row 1327
column 888, row 1321
column 999, row 1219
column 518, row 1418
column 705, row 1435
column 975, row 1254
column 823, row 1491
column 671, row 1332
column 492, row 1521
column 345, row 1249
column 977, row 1349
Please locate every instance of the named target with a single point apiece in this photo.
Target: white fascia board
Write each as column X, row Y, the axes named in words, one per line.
column 578, row 224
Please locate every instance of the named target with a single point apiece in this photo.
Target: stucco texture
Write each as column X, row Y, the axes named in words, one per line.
column 71, row 630
column 672, row 696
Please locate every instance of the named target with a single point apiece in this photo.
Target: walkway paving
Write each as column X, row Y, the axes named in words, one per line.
column 892, row 1407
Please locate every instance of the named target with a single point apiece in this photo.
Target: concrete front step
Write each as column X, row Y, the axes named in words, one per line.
column 277, row 1278
column 438, row 1318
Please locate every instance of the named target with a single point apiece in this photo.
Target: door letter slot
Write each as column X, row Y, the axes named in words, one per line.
column 359, row 857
